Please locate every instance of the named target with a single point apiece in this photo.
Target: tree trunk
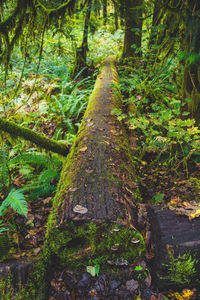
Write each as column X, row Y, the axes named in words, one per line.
column 133, row 28
column 116, row 16
column 81, row 52
column 97, row 186
column 158, row 12
column 191, row 79
column 104, row 12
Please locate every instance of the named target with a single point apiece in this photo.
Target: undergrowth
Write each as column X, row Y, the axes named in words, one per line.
column 154, row 112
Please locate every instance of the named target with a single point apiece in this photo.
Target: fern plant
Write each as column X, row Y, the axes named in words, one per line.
column 16, row 201
column 44, row 183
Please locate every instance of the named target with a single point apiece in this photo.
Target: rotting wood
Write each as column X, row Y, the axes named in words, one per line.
column 175, row 235
column 98, row 177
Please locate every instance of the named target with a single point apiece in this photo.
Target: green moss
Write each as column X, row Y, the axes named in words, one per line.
column 34, row 137
column 75, row 245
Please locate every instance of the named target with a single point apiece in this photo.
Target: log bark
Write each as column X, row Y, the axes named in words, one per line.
column 98, row 173
column 34, row 137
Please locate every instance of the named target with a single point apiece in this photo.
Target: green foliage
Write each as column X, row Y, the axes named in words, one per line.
column 44, row 184
column 2, row 228
column 156, row 115
column 181, row 270
column 100, row 239
column 36, row 158
column 158, row 198
column 16, row 201
column 196, row 183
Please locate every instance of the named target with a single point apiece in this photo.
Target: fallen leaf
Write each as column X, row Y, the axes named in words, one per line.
column 195, row 214
column 80, row 209
column 73, row 189
column 89, row 171
column 33, row 231
column 36, row 251
column 83, row 149
column 47, row 200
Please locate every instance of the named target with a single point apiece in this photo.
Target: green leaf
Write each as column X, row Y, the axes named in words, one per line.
column 185, row 113
column 158, row 198
column 93, row 270
column 138, row 268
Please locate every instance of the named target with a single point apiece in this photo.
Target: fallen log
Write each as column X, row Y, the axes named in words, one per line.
column 98, row 186
column 94, row 212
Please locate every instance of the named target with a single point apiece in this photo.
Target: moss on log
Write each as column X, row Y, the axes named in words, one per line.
column 34, row 137
column 98, row 190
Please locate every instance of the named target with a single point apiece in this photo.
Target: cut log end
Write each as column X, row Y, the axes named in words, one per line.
column 177, row 245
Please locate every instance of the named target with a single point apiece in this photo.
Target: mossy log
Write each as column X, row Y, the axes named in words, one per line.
column 94, row 211
column 30, row 135
column 98, row 174
column 95, row 208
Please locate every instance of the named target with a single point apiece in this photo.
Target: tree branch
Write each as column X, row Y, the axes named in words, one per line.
column 50, row 10
column 34, row 137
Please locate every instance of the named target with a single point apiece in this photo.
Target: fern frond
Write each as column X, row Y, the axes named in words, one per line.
column 16, row 201
column 47, row 176
column 36, row 158
column 2, row 228
column 39, row 190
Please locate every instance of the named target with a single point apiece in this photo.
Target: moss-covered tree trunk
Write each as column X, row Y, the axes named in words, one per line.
column 133, row 28
column 94, row 213
column 104, row 12
column 34, row 137
column 81, row 52
column 191, row 80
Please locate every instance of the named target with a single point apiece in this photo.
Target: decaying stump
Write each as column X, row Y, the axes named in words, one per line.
column 174, row 235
